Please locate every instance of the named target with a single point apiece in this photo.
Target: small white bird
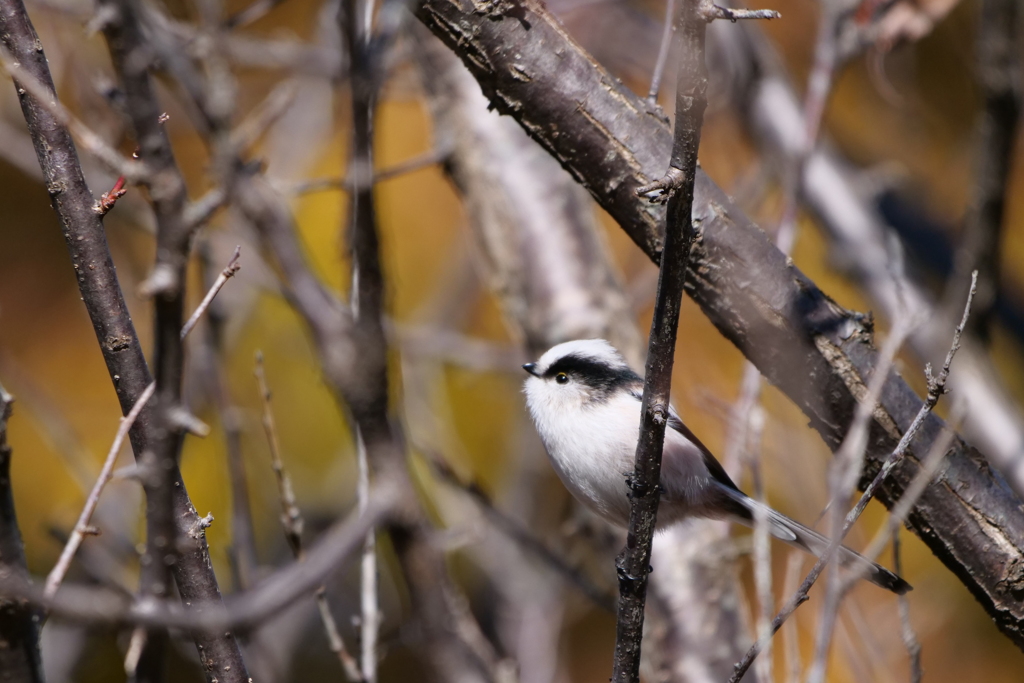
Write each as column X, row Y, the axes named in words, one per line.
column 585, row 402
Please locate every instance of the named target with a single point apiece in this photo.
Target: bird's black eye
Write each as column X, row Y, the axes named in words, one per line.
column 561, row 378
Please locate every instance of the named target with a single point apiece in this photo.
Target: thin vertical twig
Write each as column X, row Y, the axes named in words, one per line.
column 792, row 636
column 291, row 516
column 663, row 51
column 367, row 280
column 369, row 623
column 293, row 523
column 906, row 628
column 762, row 536
column 936, row 388
column 242, row 552
column 166, row 285
column 633, row 564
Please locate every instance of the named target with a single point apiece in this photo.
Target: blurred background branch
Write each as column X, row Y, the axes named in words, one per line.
column 407, row 248
column 19, row 632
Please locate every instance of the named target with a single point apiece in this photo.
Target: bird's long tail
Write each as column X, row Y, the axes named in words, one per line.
column 799, row 536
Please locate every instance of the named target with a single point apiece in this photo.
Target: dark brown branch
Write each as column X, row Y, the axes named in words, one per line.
column 166, row 284
column 82, row 227
column 816, row 352
column 998, row 70
column 19, row 631
column 633, row 564
column 104, row 301
column 83, row 526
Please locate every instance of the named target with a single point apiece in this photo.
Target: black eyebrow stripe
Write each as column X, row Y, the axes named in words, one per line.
column 594, row 373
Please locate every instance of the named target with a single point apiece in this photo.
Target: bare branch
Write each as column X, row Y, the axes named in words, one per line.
column 244, row 560
column 668, row 30
column 256, row 10
column 348, row 183
column 523, row 537
column 936, row 387
column 29, row 84
column 245, row 610
column 855, row 227
column 291, row 520
column 218, row 284
column 369, row 603
column 812, row 349
column 104, row 301
column 633, row 564
column 19, row 630
column 83, row 526
column 710, row 12
column 291, row 516
column 166, row 284
column 906, row 628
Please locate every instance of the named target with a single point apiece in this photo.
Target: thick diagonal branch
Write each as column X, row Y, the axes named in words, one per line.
column 818, row 353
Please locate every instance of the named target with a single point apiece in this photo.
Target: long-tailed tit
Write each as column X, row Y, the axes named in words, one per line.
column 585, row 402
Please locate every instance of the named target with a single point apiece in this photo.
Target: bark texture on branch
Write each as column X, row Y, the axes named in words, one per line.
column 634, row 563
column 104, row 301
column 168, row 197
column 818, row 353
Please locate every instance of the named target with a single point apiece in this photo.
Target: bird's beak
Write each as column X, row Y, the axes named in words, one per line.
column 531, row 368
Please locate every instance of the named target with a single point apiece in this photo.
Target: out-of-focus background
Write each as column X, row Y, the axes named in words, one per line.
column 905, row 121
